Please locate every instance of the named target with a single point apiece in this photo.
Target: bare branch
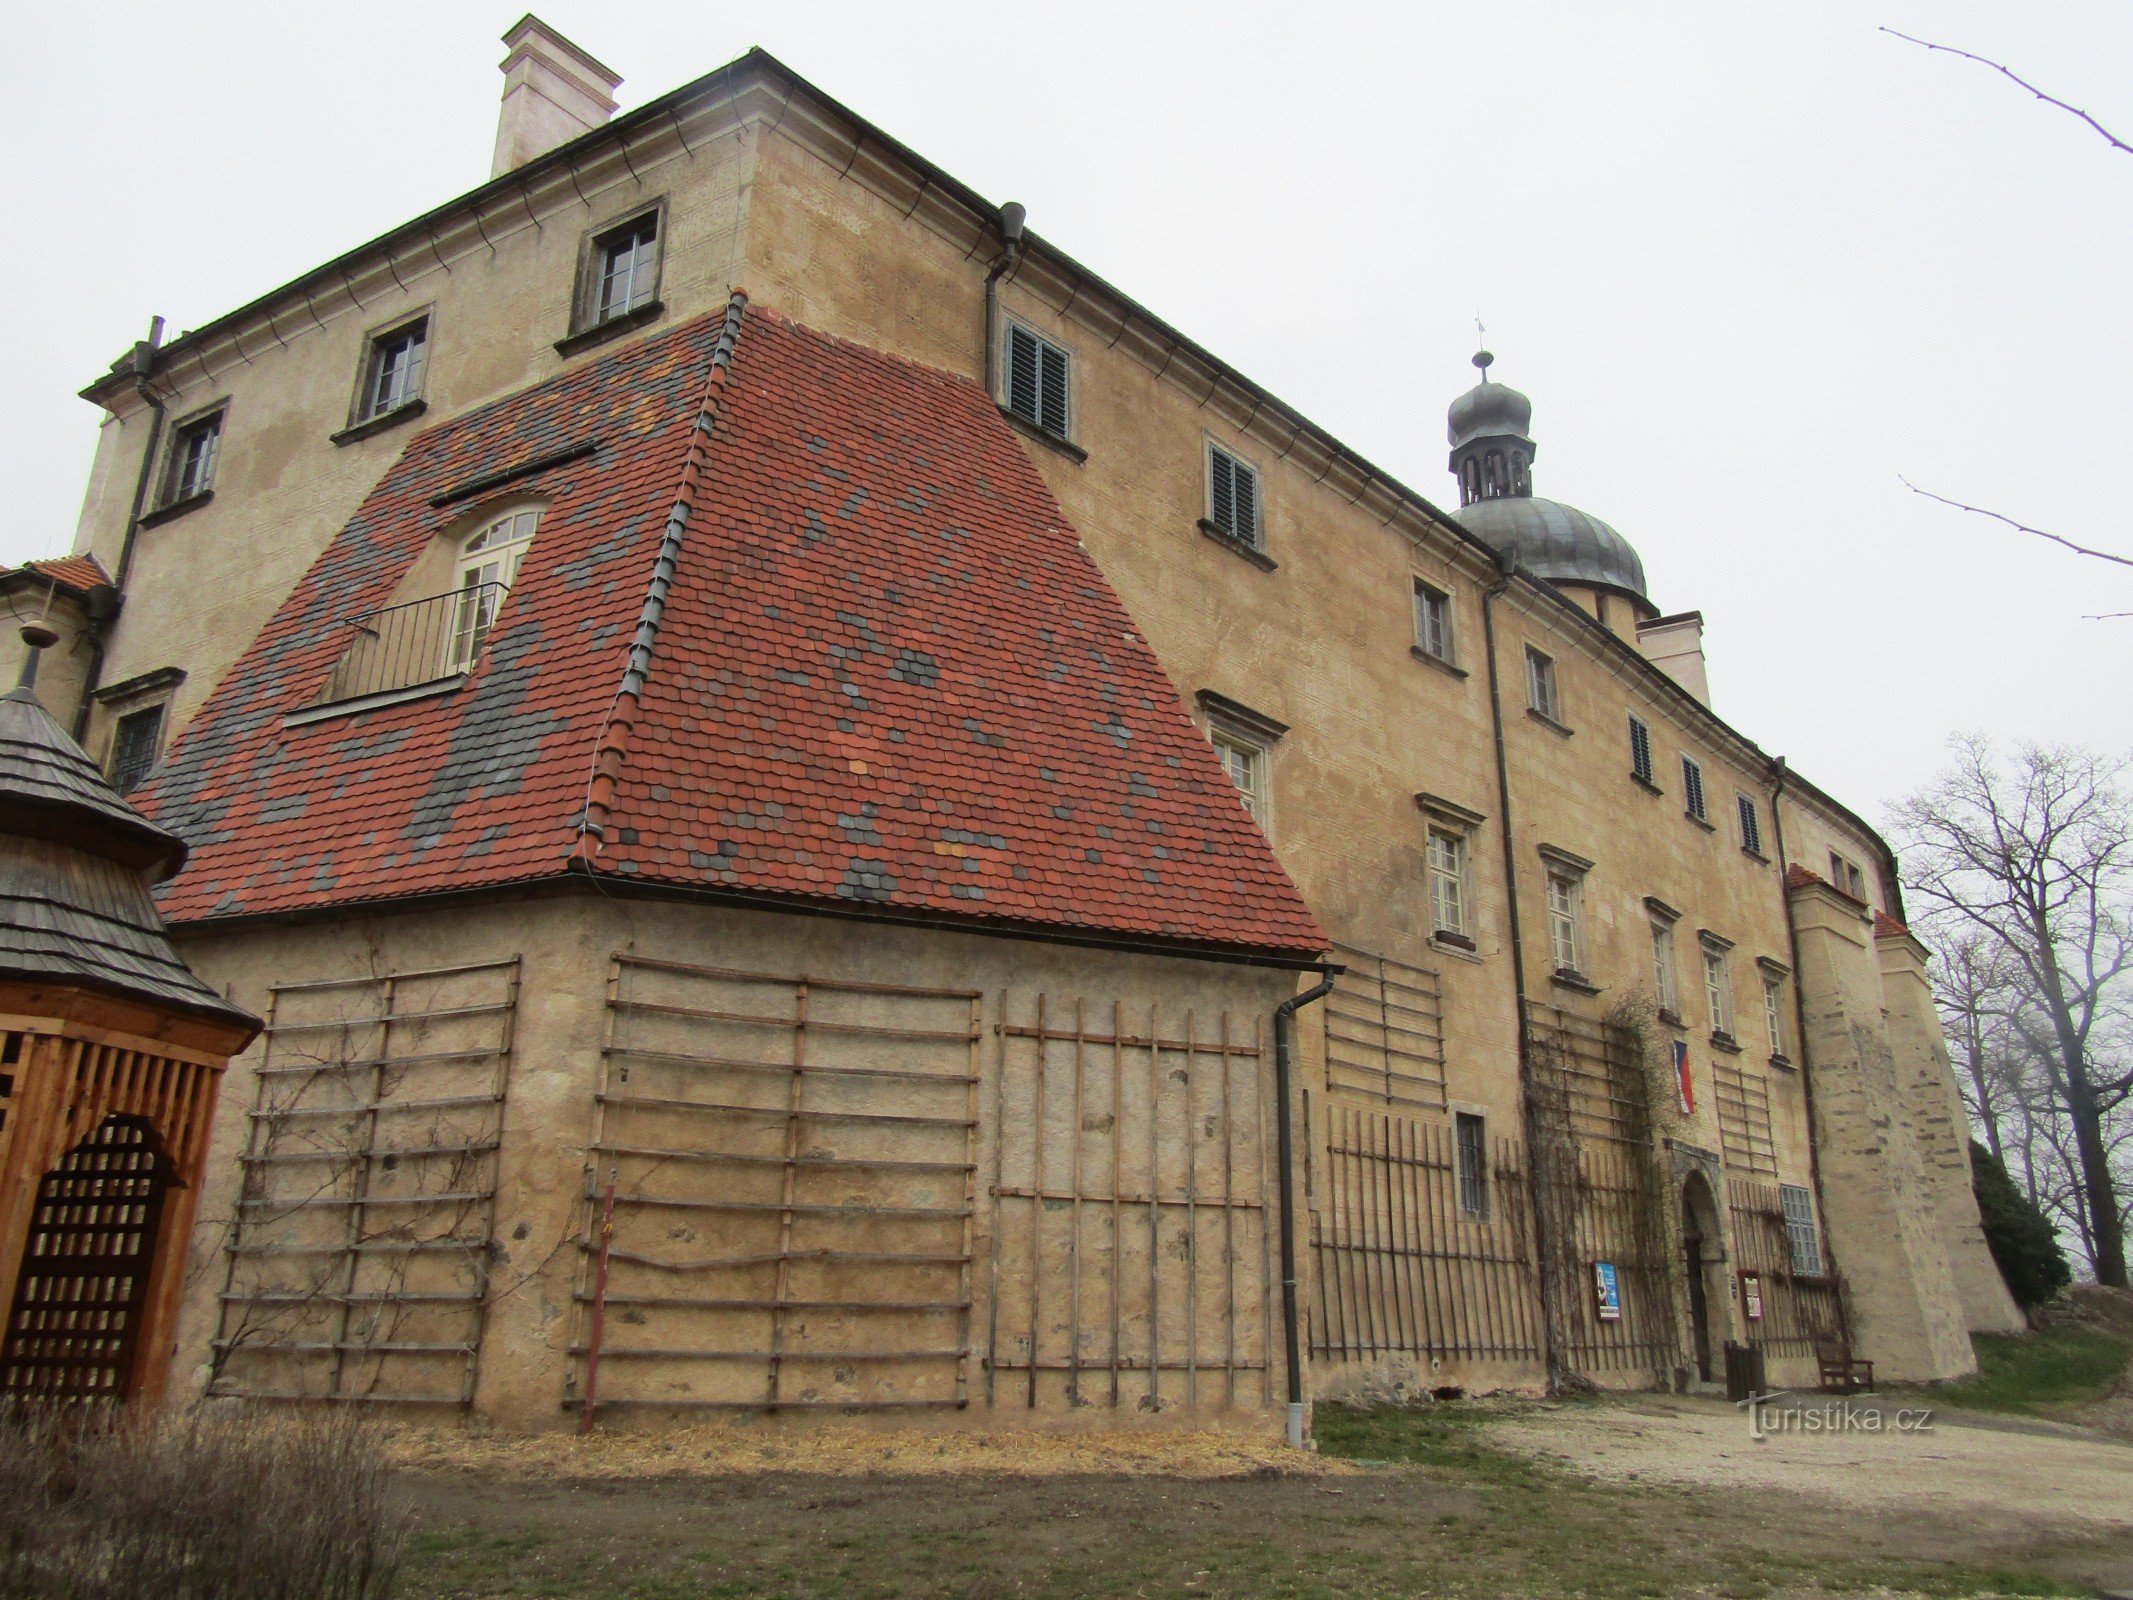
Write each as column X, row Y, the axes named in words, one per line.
column 2109, row 137
column 2019, row 527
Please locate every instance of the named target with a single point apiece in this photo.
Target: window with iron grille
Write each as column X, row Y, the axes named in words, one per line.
column 1037, row 381
column 1433, row 621
column 1233, row 496
column 625, row 266
column 1540, row 685
column 1692, row 787
column 193, row 452
column 1800, row 1232
column 1640, row 750
column 1447, row 881
column 134, row 743
column 392, row 370
column 1751, row 826
column 1470, row 1134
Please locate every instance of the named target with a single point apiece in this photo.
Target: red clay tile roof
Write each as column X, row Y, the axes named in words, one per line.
column 1887, row 927
column 1797, row 877
column 79, row 573
column 887, row 677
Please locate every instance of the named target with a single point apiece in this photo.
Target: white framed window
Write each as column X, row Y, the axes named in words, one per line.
column 1718, row 990
column 195, row 447
column 1448, row 882
column 1692, row 788
column 1566, row 896
column 1039, row 381
column 1233, row 508
column 1433, row 621
column 1801, row 1234
column 624, row 269
column 1541, row 694
column 1246, row 765
column 1666, row 986
column 1640, row 750
column 488, row 564
column 1751, row 825
column 1774, row 1012
column 1470, row 1143
column 392, row 369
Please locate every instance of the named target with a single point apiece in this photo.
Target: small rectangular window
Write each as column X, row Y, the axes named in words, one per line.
column 625, row 267
column 134, row 747
column 1663, row 985
column 1565, row 939
column 193, row 451
column 1846, row 876
column 1800, row 1232
column 1692, row 787
column 1037, row 384
column 1640, row 750
column 1232, row 496
column 1718, row 991
column 1751, row 826
column 1447, row 881
column 1246, row 766
column 1774, row 1012
column 1433, row 621
column 1471, row 1136
column 392, row 372
column 1540, row 685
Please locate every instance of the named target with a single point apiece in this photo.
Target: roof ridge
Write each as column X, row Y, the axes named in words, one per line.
column 612, row 745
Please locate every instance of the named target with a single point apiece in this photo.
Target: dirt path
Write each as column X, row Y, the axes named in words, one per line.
column 1975, row 1470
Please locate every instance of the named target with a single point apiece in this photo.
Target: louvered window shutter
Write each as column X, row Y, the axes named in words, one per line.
column 1052, row 395
column 1246, row 526
column 1640, row 749
column 1221, row 491
column 1022, row 374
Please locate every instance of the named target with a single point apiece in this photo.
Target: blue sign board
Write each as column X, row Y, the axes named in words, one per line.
column 1610, row 1288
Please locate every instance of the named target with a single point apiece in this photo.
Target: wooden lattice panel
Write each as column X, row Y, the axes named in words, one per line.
column 73, row 1330
column 1131, row 1182
column 1384, row 1031
column 792, row 1169
column 358, row 1265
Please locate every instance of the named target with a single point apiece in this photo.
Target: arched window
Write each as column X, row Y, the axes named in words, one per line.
column 488, row 562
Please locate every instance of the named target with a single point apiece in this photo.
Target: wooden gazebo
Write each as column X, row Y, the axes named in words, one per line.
column 111, row 1052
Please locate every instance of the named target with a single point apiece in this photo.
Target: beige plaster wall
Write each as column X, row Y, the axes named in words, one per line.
column 565, row 944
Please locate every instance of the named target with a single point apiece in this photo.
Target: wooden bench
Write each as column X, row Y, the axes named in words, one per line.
column 1842, row 1372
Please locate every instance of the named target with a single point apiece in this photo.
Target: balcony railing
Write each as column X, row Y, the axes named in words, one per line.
column 421, row 642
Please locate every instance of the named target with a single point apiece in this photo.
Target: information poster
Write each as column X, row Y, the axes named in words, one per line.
column 1610, row 1290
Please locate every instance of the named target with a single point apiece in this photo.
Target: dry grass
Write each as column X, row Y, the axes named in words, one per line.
column 186, row 1505
column 848, row 1450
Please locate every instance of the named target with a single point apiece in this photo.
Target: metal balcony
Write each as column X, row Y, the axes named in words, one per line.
column 415, row 645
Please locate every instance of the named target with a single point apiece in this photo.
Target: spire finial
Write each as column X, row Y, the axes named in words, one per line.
column 1482, row 358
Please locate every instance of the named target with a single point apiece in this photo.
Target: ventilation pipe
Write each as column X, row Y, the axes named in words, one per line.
column 1285, row 1154
column 1012, row 215
column 553, row 92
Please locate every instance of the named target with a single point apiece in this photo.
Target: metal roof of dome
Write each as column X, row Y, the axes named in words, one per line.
column 1487, row 409
column 1557, row 542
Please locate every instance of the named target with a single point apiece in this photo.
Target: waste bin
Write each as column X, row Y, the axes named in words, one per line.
column 1744, row 1371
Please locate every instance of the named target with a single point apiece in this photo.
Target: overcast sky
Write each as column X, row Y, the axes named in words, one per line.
column 1751, row 264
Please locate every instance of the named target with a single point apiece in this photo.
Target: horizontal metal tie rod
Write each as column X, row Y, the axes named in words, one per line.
column 863, row 1030
column 316, row 985
column 367, row 1106
column 488, row 1052
column 604, row 1404
column 839, row 985
column 801, row 1208
column 609, row 1352
column 772, row 1258
column 396, row 1018
column 782, row 1112
column 273, row 1157
column 824, row 1163
column 1199, row 1047
column 324, row 1201
column 717, row 1303
column 1212, row 1202
column 813, row 1069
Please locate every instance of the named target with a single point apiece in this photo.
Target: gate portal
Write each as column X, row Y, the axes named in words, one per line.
column 73, row 1332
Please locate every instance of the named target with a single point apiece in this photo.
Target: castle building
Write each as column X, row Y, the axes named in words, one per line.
column 903, row 835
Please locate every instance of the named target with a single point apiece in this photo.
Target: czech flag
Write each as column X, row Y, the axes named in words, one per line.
column 1681, row 1073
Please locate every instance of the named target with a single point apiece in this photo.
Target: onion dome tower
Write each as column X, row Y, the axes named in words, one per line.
column 111, row 1050
column 1490, row 428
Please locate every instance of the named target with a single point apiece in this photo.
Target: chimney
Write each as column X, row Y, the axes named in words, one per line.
column 1675, row 646
column 553, row 91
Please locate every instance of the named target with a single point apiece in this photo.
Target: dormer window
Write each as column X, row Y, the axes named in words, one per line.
column 488, row 562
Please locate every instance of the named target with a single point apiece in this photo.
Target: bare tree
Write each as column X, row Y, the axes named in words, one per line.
column 2036, row 858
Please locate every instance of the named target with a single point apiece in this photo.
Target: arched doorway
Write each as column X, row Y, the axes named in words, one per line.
column 73, row 1332
column 1702, row 1244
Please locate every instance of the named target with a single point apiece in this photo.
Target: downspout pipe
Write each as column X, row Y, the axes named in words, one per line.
column 140, row 367
column 1009, row 222
column 1285, row 1153
column 1542, row 1245
column 1779, row 772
